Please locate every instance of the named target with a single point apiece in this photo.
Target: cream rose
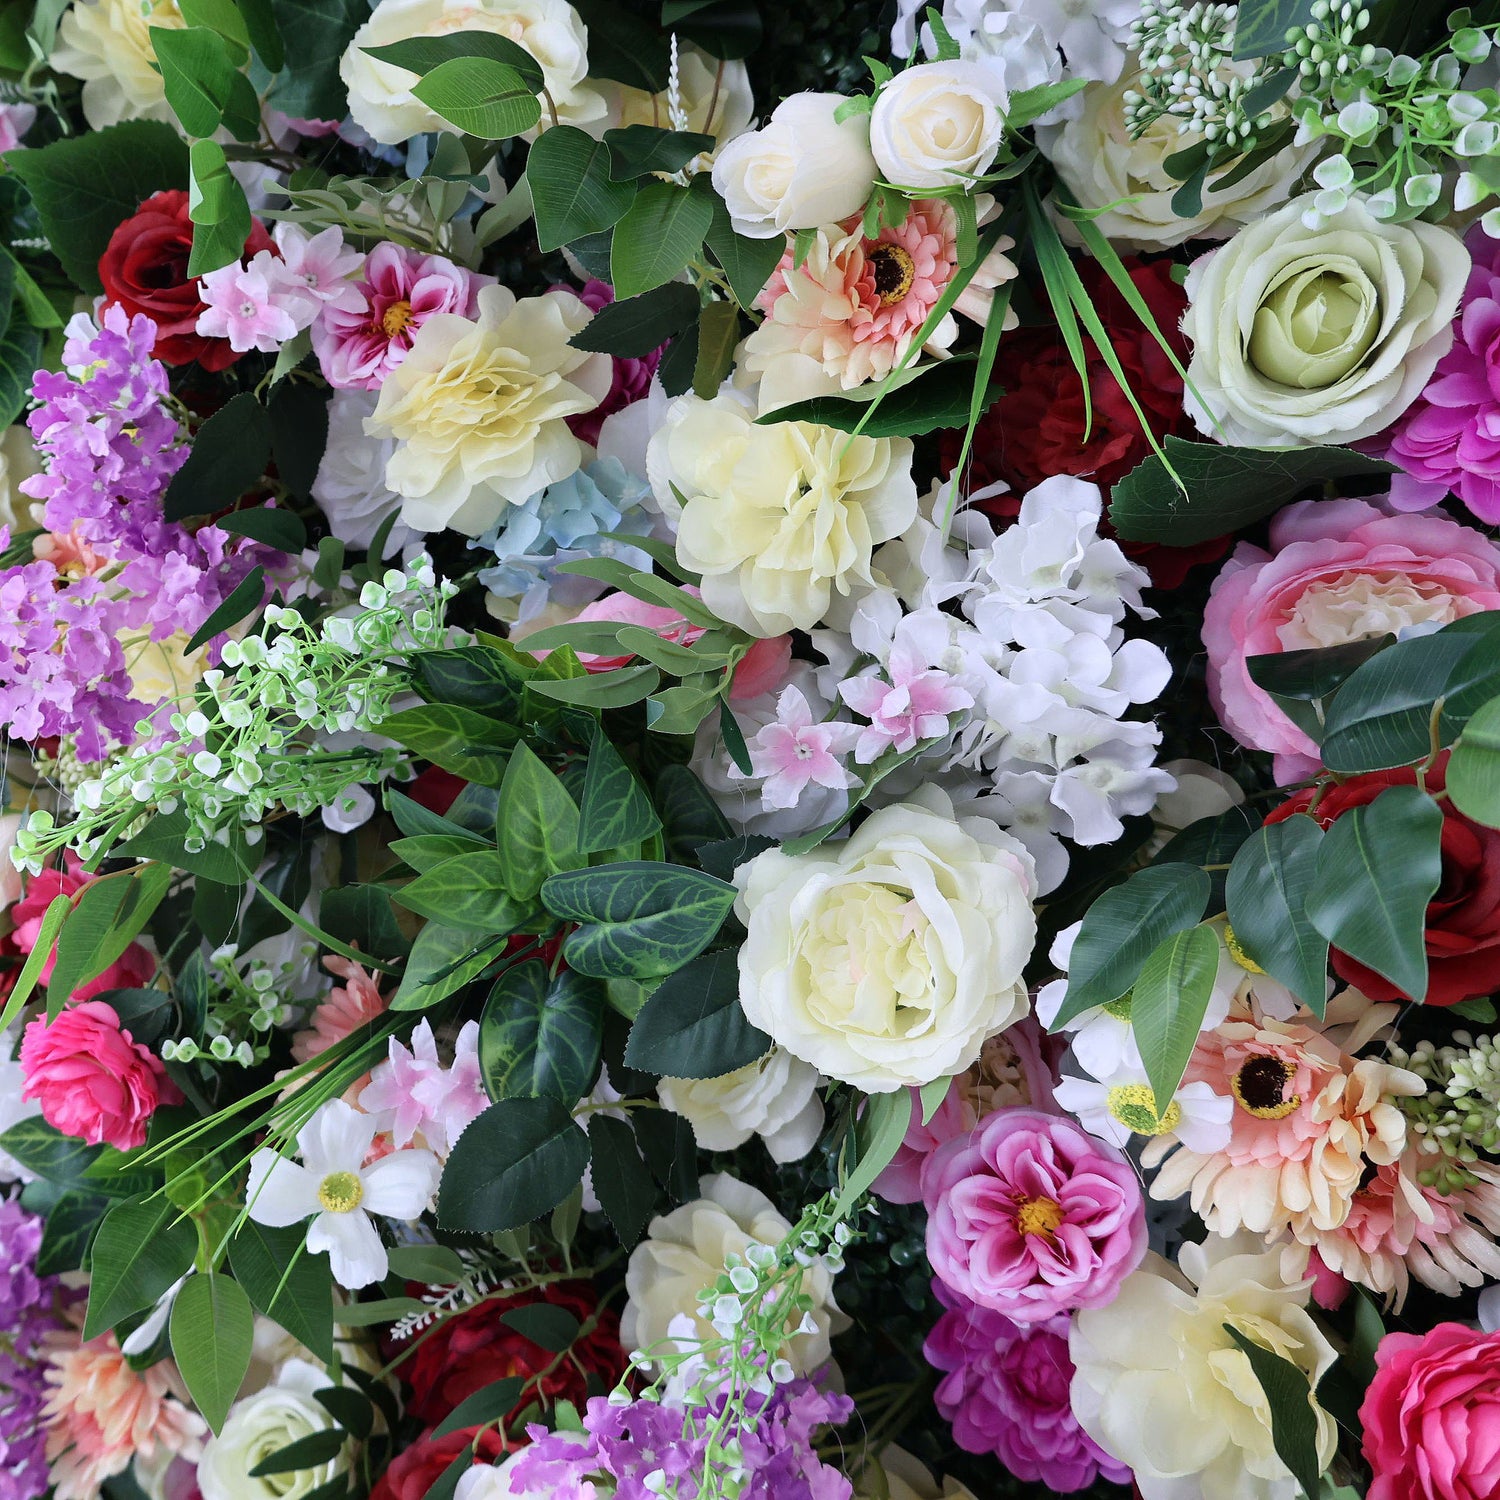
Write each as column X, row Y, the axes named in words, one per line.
column 477, row 409
column 886, row 961
column 802, row 168
column 899, row 1475
column 775, row 1098
column 1123, row 179
column 684, row 1254
column 704, row 85
column 777, row 519
column 1183, row 1403
column 107, row 43
column 258, row 1425
column 1318, row 335
column 938, row 125
column 380, row 96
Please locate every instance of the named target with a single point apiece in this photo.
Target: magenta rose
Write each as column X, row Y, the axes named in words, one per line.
column 1338, row 571
column 91, row 1079
column 1030, row 1215
column 1005, row 1391
column 1432, row 1416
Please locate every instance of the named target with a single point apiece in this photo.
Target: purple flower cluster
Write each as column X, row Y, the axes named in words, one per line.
column 26, row 1315
column 1006, row 1393
column 627, row 1445
column 114, row 574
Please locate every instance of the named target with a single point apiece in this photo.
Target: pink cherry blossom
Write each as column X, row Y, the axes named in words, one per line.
column 795, row 750
column 913, row 706
column 316, row 270
column 247, row 305
column 412, row 1093
column 15, row 121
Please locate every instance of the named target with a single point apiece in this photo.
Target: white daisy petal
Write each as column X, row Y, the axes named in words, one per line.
column 280, row 1192
column 355, row 1253
column 336, row 1139
column 400, row 1185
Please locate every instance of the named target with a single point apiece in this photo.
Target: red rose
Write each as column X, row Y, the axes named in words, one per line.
column 476, row 1348
column 144, row 270
column 1037, row 427
column 412, row 1473
column 1463, row 918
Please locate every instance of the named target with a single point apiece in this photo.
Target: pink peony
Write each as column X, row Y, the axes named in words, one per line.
column 91, row 1079
column 1449, row 438
column 357, row 347
column 1431, row 1416
column 632, row 376
column 1006, row 1392
column 1029, row 1215
column 1339, row 571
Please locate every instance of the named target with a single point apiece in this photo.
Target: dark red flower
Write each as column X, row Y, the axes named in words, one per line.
column 435, row 789
column 476, row 1348
column 412, row 1473
column 1037, row 427
column 144, row 270
column 1463, row 918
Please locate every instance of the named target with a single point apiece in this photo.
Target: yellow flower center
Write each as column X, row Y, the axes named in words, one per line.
column 1238, row 954
column 1038, row 1215
column 894, row 272
column 395, row 318
column 1134, row 1106
column 1259, row 1088
column 341, row 1192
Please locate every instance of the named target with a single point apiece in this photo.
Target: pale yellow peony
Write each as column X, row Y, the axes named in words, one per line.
column 107, row 43
column 777, row 519
column 1162, row 1386
column 477, row 409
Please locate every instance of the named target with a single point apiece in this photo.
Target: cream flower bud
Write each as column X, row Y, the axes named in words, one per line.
column 938, row 125
column 802, row 168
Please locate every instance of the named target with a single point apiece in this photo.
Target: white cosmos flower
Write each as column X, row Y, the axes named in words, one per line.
column 334, row 1184
column 1122, row 1104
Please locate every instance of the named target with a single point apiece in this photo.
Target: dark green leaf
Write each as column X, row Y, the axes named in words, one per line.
column 285, row 1282
column 85, row 186
column 658, row 235
column 361, row 915
column 163, row 838
column 666, row 1141
column 718, row 334
column 1260, row 28
column 477, row 677
column 350, row 1408
column 571, row 187
column 678, row 362
column 513, row 1164
column 1124, row 926
column 446, row 1484
column 298, row 416
column 243, row 600
column 71, row 1223
column 489, row 1403
column 316, row 34
column 1167, row 1005
column 212, row 1328
column 142, row 1248
column 541, row 1036
column 537, row 825
column 547, row 1325
column 308, row 1452
column 198, row 74
column 457, row 739
column 47, row 1152
column 882, row 1127
column 624, row 47
column 939, row 397
column 106, row 918
column 747, row 262
column 723, row 28
column 281, row 529
column 693, row 1026
column 1227, row 488
column 1267, row 893
column 483, row 98
column 414, row 820
column 690, row 816
column 622, row 1180
column 425, row 54
column 1299, row 679
column 228, row 457
column 638, row 149
column 1294, row 1422
column 616, row 811
column 1377, row 868
column 640, row 325
column 20, row 357
column 260, row 27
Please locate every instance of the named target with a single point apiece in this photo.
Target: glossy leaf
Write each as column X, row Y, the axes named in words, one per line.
column 638, row 326
column 229, row 457
column 469, row 891
column 1261, row 25
column 615, row 811
column 639, row 149
column 425, row 54
column 457, row 739
column 315, row 35
column 141, row 1249
column 308, row 1452
column 541, row 1036
column 46, row 1152
column 513, row 1164
column 748, row 263
column 692, row 1026
column 1377, row 868
column 212, row 1326
column 939, row 397
column 489, row 1403
column 164, row 838
column 536, row 827
column 477, row 677
column 481, row 97
column 1294, row 1423
column 1473, row 775
column 443, row 960
column 1167, row 1005
column 285, row 1282
column 71, row 1224
column 106, row 918
column 622, row 1181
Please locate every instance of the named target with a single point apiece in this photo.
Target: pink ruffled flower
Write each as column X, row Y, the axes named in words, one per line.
column 632, row 375
column 91, row 1079
column 1014, row 1068
column 1449, row 438
column 342, row 1011
column 1431, row 1416
column 1338, row 571
column 1031, row 1216
column 1005, row 1391
column 15, row 121
column 359, row 345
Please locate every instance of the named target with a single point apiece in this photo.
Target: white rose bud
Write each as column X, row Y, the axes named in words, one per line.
column 802, row 168
column 938, row 125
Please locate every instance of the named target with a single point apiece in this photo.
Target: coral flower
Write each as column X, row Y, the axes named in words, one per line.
column 342, row 1011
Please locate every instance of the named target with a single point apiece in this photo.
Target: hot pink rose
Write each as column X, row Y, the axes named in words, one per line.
column 91, row 1079
column 1338, row 571
column 1432, row 1416
column 400, row 290
column 1029, row 1215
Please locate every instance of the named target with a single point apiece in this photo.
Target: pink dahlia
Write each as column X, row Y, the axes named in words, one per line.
column 1449, row 438
column 1032, row 1216
column 358, row 346
column 1005, row 1391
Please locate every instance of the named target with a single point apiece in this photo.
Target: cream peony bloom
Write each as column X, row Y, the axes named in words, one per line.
column 886, row 961
column 938, row 125
column 18, row 461
column 107, row 43
column 1161, row 1385
column 775, row 1098
column 684, row 1254
column 1318, row 335
column 380, row 96
column 717, row 103
column 1106, row 168
column 271, row 1418
column 777, row 519
column 899, row 1475
column 477, row 409
column 162, row 669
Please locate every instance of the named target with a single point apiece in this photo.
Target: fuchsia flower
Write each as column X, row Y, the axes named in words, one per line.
column 795, row 750
column 1031, row 1216
column 1006, row 1392
column 359, row 345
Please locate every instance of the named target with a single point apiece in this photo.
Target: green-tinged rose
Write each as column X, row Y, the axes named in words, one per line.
column 1321, row 335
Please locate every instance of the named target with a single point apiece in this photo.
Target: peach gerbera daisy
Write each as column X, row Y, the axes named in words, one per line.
column 342, row 1011
column 101, row 1414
